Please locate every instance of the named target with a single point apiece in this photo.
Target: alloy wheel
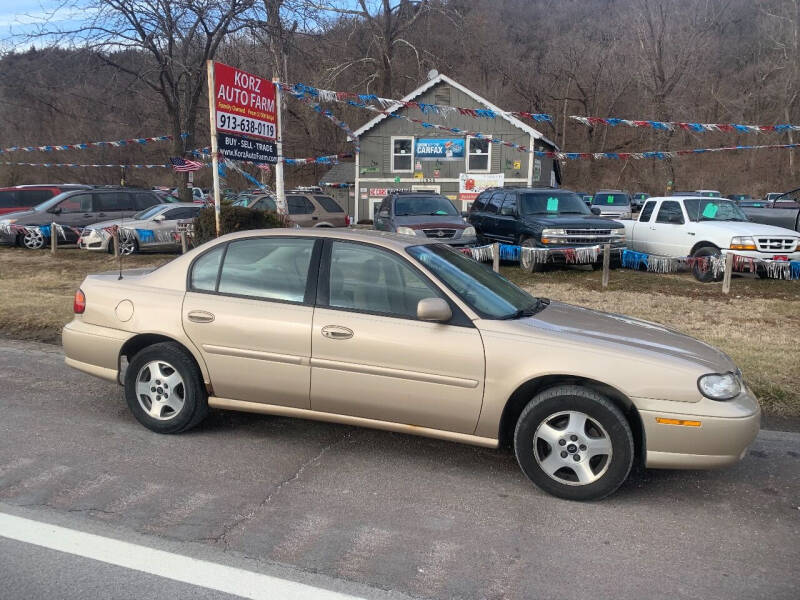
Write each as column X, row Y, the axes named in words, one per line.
column 160, row 390
column 572, row 448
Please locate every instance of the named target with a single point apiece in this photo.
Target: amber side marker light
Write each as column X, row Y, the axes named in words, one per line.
column 664, row 421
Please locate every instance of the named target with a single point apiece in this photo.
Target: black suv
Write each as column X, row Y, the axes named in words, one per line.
column 541, row 218
column 74, row 210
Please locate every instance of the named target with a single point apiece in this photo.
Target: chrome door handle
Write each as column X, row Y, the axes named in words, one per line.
column 337, row 332
column 200, row 316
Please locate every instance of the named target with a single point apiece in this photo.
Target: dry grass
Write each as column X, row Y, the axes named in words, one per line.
column 758, row 325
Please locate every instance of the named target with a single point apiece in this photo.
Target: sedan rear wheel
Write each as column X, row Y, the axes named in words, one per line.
column 574, row 443
column 164, row 389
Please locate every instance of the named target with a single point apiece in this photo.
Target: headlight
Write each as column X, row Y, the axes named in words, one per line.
column 719, row 386
column 618, row 233
column 7, row 221
column 553, row 232
column 468, row 231
column 743, row 243
column 406, row 231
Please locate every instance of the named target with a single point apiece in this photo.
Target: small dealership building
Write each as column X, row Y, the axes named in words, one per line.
column 397, row 154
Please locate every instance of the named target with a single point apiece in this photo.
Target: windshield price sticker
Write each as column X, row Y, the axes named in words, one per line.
column 552, row 204
column 710, row 211
column 246, row 125
column 610, row 199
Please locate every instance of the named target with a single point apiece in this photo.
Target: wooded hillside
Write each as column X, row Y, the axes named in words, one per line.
column 710, row 61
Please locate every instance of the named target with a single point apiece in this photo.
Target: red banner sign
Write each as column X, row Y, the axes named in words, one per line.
column 245, row 103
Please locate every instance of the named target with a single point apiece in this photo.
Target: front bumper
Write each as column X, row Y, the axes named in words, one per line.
column 93, row 240
column 721, row 439
column 768, row 256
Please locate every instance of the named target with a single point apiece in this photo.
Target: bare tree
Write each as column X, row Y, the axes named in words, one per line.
column 176, row 37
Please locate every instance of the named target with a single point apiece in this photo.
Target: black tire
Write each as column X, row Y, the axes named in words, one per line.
column 195, row 398
column 705, row 275
column 529, row 242
column 605, row 472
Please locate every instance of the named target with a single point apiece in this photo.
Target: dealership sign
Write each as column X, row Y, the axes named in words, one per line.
column 439, row 149
column 244, row 103
column 472, row 184
column 236, row 147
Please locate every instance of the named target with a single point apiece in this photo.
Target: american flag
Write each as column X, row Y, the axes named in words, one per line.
column 181, row 165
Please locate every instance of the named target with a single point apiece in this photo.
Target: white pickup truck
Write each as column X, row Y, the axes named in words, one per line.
column 698, row 226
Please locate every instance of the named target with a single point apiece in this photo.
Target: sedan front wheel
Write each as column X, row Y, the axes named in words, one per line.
column 574, row 443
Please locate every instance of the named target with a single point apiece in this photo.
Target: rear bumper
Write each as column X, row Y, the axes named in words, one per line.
column 92, row 349
column 718, row 442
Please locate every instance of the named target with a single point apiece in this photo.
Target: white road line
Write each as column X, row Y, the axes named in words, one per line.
column 202, row 573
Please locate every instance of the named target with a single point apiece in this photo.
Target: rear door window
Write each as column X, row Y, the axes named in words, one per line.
column 329, row 204
column 268, row 268
column 670, row 212
column 144, row 200
column 114, row 201
column 299, row 205
column 8, row 199
column 494, row 202
column 647, row 211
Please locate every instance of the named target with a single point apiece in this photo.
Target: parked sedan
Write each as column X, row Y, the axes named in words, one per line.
column 152, row 229
column 399, row 333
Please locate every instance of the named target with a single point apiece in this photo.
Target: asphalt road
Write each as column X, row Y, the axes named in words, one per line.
column 379, row 511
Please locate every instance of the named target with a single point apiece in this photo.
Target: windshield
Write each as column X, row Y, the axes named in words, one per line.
column 407, row 206
column 149, row 212
column 611, row 199
column 713, row 210
column 709, row 194
column 50, row 203
column 553, row 203
column 487, row 293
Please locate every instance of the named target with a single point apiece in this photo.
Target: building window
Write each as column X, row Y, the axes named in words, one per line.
column 478, row 155
column 402, row 154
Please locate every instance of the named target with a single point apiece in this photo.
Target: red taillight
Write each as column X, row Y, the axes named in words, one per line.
column 347, row 220
column 80, row 302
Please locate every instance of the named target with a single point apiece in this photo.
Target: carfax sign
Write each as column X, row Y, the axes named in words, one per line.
column 245, row 103
column 439, row 149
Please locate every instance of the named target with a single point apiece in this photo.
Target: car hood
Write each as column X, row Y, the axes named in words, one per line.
column 21, row 214
column 128, row 223
column 431, row 221
column 628, row 334
column 745, row 228
column 573, row 222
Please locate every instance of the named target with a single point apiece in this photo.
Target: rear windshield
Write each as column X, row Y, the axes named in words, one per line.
column 329, row 204
column 407, row 206
column 23, row 198
column 553, row 202
column 715, row 209
column 610, row 199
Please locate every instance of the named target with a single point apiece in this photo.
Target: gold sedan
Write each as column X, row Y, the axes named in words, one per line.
column 373, row 329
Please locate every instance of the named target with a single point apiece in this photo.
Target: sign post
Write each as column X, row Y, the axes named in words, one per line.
column 243, row 120
column 212, row 119
column 280, row 194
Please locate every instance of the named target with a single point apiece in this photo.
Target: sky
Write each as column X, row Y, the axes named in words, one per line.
column 20, row 18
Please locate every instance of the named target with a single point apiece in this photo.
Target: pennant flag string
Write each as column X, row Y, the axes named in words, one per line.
column 686, row 126
column 321, row 160
column 654, row 154
column 75, row 165
column 425, row 108
column 87, row 145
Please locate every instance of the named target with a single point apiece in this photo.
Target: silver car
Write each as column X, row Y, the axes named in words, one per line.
column 613, row 204
column 155, row 228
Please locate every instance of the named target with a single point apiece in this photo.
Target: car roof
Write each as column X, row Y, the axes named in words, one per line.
column 381, row 238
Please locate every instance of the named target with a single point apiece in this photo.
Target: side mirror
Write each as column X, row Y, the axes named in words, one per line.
column 56, row 210
column 159, row 218
column 465, row 213
column 383, row 213
column 596, row 210
column 434, row 309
